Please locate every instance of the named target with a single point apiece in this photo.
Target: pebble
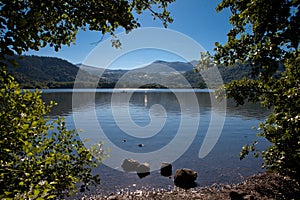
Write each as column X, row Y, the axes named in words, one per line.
column 114, row 197
column 227, row 187
column 249, row 197
column 234, row 191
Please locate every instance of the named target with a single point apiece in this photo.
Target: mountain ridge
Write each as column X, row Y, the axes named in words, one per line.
column 52, row 72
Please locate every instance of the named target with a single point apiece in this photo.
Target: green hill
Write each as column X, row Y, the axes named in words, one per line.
column 45, row 72
column 50, row 72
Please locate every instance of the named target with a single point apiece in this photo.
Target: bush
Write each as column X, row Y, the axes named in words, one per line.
column 281, row 128
column 40, row 158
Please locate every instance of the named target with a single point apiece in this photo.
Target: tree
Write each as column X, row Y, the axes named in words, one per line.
column 265, row 35
column 206, row 61
column 34, row 24
column 41, row 158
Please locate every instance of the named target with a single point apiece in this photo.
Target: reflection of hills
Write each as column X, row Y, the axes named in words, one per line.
column 64, row 100
column 168, row 100
column 248, row 110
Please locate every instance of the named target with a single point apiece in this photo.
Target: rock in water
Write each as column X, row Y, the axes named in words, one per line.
column 185, row 178
column 166, row 169
column 143, row 170
column 130, row 165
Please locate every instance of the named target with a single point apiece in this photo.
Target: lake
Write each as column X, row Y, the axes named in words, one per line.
column 160, row 125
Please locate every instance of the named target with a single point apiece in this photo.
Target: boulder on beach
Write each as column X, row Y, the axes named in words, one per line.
column 185, row 178
column 130, row 165
column 143, row 170
column 166, row 169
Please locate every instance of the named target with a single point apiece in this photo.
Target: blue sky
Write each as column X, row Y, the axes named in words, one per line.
column 196, row 19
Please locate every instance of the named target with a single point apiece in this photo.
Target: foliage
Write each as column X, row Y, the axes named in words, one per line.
column 34, row 24
column 205, row 62
column 282, row 128
column 39, row 158
column 265, row 35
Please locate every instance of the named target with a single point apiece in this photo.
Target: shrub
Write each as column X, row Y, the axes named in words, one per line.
column 40, row 158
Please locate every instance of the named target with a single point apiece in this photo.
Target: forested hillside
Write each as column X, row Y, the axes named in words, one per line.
column 50, row 72
column 45, row 72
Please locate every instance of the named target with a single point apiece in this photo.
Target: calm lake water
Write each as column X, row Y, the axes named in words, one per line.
column 127, row 118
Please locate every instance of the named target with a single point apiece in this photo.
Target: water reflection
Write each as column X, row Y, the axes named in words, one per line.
column 167, row 100
column 221, row 165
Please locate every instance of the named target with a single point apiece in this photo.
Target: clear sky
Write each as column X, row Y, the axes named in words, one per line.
column 196, row 19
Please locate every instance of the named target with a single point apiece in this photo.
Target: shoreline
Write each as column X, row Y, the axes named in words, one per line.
column 262, row 186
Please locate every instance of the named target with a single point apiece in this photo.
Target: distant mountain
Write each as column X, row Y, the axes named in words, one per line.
column 156, row 75
column 107, row 75
column 36, row 71
column 163, row 66
column 48, row 72
column 194, row 62
column 228, row 74
column 91, row 70
column 155, row 67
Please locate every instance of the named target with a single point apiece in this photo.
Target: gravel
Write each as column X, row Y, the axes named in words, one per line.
column 262, row 186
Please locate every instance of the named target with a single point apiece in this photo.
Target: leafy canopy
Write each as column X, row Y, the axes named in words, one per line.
column 265, row 34
column 32, row 24
column 41, row 158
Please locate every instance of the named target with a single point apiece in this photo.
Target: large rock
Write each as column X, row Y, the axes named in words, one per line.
column 185, row 178
column 166, row 169
column 143, row 170
column 130, row 165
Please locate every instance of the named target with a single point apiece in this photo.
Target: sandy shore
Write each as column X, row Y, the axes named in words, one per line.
column 262, row 186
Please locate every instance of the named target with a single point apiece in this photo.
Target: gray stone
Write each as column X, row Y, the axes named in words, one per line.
column 166, row 169
column 130, row 165
column 143, row 170
column 185, row 178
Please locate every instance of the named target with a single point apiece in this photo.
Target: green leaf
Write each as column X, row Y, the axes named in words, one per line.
column 51, row 196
